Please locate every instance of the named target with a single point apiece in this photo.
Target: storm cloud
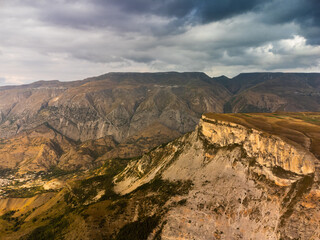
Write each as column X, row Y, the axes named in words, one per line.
column 74, row 39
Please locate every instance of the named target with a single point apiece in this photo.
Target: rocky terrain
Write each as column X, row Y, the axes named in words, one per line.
column 236, row 176
column 142, row 110
column 115, row 104
column 247, row 183
column 43, row 149
column 124, row 154
column 139, row 111
column 135, row 111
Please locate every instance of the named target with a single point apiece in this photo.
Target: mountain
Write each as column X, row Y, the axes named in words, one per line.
column 134, row 111
column 123, row 104
column 236, row 176
column 138, row 111
column 120, row 105
column 117, row 155
column 270, row 92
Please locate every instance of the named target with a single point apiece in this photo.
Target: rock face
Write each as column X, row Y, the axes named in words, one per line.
column 268, row 150
column 247, row 184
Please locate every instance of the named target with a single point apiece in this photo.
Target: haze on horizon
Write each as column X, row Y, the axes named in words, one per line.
column 70, row 40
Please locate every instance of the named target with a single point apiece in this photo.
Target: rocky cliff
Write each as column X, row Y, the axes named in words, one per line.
column 247, row 184
column 269, row 151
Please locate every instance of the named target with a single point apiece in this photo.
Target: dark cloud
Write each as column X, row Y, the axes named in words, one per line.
column 197, row 10
column 209, row 11
column 125, row 14
column 165, row 17
column 305, row 13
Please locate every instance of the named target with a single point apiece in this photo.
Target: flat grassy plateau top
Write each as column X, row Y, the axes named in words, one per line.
column 297, row 128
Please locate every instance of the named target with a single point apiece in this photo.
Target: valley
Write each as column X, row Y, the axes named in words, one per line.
column 157, row 156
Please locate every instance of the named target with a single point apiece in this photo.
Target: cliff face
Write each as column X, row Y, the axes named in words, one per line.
column 268, row 150
column 247, row 184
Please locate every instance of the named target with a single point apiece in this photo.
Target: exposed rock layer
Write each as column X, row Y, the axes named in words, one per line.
column 268, row 150
column 248, row 184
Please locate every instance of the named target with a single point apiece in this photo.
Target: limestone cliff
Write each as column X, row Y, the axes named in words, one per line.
column 247, row 184
column 269, row 151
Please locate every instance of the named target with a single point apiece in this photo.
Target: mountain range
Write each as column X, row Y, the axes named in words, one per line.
column 139, row 111
column 161, row 156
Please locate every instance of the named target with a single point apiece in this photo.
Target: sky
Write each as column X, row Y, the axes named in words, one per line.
column 75, row 39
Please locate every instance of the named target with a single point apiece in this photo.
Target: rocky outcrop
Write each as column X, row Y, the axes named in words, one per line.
column 268, row 150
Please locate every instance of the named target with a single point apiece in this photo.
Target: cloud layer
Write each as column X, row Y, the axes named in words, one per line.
column 74, row 39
